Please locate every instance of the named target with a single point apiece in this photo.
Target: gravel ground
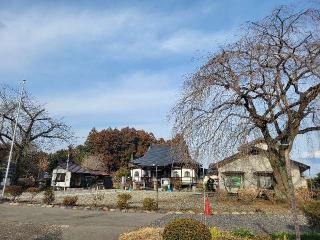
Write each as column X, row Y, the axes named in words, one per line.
column 24, row 231
column 258, row 223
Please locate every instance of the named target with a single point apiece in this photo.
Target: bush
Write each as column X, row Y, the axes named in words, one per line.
column 222, row 195
column 33, row 191
column 216, row 233
column 149, row 204
column 97, row 199
column 243, row 233
column 123, row 200
column 122, row 172
column 14, row 191
column 271, row 196
column 187, row 229
column 116, row 182
column 176, row 183
column 48, row 196
column 70, row 200
column 26, row 182
column 312, row 212
column 143, row 234
column 303, row 196
column 200, row 185
column 316, row 194
column 247, row 195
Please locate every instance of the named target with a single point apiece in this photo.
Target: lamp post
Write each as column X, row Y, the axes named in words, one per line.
column 13, row 138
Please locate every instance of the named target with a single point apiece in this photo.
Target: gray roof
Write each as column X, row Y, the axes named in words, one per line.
column 75, row 168
column 159, row 154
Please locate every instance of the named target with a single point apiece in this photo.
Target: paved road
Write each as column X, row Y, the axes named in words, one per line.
column 74, row 224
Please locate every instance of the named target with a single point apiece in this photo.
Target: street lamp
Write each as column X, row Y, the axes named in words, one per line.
column 13, row 138
column 157, row 184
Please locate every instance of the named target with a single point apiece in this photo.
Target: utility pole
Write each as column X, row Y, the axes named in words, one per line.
column 13, row 137
column 157, row 187
column 67, row 169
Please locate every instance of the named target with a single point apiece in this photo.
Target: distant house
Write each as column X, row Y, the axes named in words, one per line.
column 250, row 168
column 77, row 177
column 170, row 164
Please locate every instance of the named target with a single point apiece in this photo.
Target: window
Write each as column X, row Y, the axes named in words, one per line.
column 136, row 174
column 265, row 182
column 234, row 181
column 60, row 177
column 186, row 174
column 175, row 174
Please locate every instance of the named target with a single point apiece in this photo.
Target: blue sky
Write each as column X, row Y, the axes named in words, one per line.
column 116, row 63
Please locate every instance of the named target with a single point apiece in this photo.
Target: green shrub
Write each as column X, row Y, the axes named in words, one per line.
column 48, row 196
column 123, row 200
column 70, row 200
column 312, row 212
column 149, row 204
column 186, row 229
column 14, row 191
column 216, row 233
column 244, row 233
column 292, row 236
column 33, row 191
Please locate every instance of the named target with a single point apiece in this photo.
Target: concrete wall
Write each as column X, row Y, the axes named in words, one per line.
column 254, row 163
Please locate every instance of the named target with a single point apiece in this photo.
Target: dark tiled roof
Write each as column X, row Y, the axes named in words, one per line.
column 161, row 155
column 75, row 168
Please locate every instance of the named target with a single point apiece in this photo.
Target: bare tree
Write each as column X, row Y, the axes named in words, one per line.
column 94, row 162
column 266, row 84
column 35, row 128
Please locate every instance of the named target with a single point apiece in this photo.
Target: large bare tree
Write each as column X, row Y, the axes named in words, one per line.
column 36, row 129
column 266, row 84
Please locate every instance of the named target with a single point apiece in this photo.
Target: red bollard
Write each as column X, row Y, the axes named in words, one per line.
column 207, row 209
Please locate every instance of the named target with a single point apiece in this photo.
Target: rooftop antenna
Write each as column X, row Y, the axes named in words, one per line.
column 13, row 137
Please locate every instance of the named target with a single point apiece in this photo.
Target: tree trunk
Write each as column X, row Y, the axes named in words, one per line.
column 292, row 195
column 19, row 158
column 278, row 165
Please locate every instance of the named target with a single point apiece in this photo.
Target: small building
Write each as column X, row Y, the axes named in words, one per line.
column 162, row 163
column 250, row 168
column 77, row 177
column 11, row 173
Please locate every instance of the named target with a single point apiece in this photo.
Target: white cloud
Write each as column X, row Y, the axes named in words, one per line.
column 312, row 154
column 35, row 33
column 137, row 93
column 186, row 41
column 30, row 36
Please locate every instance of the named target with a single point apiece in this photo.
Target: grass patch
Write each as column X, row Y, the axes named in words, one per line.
column 143, row 233
column 291, row 236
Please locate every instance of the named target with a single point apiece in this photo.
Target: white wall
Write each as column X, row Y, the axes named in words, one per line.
column 141, row 174
column 67, row 179
column 254, row 163
column 185, row 180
